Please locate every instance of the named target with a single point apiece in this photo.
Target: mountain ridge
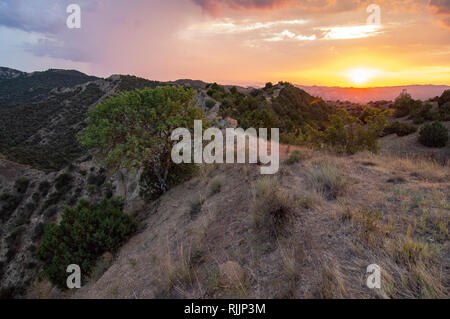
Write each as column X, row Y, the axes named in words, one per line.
column 331, row 93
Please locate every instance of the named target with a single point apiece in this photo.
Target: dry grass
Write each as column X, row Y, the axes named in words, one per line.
column 426, row 169
column 332, row 283
column 178, row 268
column 215, row 185
column 289, row 261
column 195, row 206
column 271, row 206
column 299, row 243
column 325, row 179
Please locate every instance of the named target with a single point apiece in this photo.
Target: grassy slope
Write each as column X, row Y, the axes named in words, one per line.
column 326, row 251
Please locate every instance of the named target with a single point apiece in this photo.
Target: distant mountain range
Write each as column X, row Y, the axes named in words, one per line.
column 365, row 95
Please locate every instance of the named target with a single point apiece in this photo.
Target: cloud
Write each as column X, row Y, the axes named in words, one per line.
column 441, row 8
column 213, row 6
column 44, row 16
column 230, row 26
column 288, row 35
column 351, row 32
column 324, row 6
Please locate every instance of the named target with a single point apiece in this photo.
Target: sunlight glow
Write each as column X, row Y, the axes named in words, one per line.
column 361, row 75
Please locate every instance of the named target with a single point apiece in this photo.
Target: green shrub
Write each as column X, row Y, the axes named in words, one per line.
column 347, row 134
column 433, row 135
column 108, row 190
column 195, row 206
column 209, row 103
column 399, row 128
column 92, row 189
column 63, row 182
column 9, row 203
column 141, row 136
column 44, row 187
column 215, row 185
column 150, row 187
column 444, row 112
column 404, row 105
column 295, row 157
column 21, row 185
column 97, row 179
column 271, row 206
column 36, row 196
column 13, row 242
column 84, row 234
column 422, row 114
column 38, row 231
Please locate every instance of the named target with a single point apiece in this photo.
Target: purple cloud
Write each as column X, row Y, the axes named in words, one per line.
column 441, row 8
column 212, row 6
column 43, row 16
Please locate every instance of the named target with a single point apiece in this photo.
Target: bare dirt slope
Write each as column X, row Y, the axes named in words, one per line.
column 342, row 214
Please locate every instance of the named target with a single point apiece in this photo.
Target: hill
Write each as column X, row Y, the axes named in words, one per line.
column 31, row 87
column 41, row 113
column 7, row 73
column 215, row 236
column 197, row 244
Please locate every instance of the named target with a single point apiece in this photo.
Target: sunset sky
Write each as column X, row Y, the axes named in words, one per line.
column 247, row 42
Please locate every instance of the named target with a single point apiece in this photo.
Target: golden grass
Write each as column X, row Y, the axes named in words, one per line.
column 426, row 169
column 271, row 206
column 326, row 179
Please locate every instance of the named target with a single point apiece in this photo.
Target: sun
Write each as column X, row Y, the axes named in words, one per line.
column 361, row 76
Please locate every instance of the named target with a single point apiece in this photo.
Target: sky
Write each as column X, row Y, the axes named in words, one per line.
column 242, row 42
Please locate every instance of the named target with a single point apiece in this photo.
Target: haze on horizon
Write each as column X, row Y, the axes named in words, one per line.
column 247, row 42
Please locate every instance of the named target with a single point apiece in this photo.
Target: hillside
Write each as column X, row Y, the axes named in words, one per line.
column 211, row 237
column 7, row 73
column 197, row 244
column 41, row 113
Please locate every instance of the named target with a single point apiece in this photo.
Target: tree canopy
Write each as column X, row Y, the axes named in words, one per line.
column 133, row 129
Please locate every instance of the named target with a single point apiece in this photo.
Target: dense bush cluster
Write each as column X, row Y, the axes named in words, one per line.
column 400, row 128
column 209, row 103
column 433, row 135
column 21, row 185
column 84, row 234
column 420, row 112
column 404, row 104
column 131, row 83
column 37, row 86
column 290, row 110
column 43, row 133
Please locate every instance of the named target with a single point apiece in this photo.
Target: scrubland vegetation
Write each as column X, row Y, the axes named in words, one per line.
column 85, row 233
column 338, row 203
column 308, row 232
